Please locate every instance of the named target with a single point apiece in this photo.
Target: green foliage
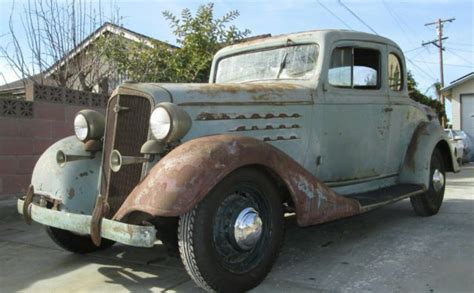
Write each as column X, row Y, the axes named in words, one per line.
column 416, row 95
column 199, row 37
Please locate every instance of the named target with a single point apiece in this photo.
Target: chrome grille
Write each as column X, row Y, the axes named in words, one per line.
column 126, row 131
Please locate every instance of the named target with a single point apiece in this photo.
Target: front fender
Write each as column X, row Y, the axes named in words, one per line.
column 74, row 184
column 426, row 137
column 183, row 178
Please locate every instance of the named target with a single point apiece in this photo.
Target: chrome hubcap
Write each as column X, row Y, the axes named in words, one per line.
column 438, row 180
column 247, row 228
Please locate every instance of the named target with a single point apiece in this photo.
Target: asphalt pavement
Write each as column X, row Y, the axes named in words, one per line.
column 386, row 250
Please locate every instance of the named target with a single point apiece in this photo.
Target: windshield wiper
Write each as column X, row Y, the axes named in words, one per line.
column 282, row 65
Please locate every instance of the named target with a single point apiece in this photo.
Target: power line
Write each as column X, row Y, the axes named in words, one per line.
column 421, row 70
column 447, row 64
column 456, row 54
column 461, row 44
column 462, row 50
column 414, row 49
column 392, row 14
column 356, row 16
column 335, row 15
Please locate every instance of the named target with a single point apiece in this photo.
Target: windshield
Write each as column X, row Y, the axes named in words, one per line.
column 291, row 62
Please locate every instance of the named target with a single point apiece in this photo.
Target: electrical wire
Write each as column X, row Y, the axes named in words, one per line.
column 356, row 16
column 456, row 54
column 447, row 64
column 421, row 70
column 335, row 15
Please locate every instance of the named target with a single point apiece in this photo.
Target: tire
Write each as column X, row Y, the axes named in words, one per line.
column 429, row 203
column 208, row 247
column 76, row 243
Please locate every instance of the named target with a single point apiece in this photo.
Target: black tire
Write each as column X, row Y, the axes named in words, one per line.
column 207, row 246
column 429, row 203
column 76, row 243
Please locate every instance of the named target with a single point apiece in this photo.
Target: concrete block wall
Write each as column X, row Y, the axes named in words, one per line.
column 23, row 138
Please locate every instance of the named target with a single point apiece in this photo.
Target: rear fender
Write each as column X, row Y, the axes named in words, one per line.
column 181, row 179
column 74, row 185
column 416, row 166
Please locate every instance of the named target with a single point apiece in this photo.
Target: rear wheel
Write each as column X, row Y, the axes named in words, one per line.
column 231, row 239
column 74, row 242
column 429, row 203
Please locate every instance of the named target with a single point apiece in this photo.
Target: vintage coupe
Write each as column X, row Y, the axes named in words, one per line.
column 316, row 123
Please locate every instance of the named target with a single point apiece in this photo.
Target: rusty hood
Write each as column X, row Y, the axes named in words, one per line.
column 206, row 93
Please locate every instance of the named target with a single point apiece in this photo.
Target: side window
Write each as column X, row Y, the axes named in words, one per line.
column 395, row 79
column 355, row 68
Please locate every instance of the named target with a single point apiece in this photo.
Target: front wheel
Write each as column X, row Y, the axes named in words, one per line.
column 429, row 203
column 231, row 239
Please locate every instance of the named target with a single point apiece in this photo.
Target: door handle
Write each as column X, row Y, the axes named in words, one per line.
column 388, row 109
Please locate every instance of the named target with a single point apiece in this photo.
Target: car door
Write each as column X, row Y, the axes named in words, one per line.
column 403, row 120
column 356, row 117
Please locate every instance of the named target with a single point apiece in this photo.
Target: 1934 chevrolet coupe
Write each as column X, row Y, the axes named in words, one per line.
column 316, row 123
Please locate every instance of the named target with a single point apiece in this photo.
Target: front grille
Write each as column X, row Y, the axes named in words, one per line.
column 126, row 131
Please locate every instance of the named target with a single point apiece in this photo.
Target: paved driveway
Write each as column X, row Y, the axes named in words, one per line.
column 386, row 250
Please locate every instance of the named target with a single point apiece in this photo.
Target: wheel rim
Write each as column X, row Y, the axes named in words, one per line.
column 241, row 230
column 247, row 228
column 438, row 180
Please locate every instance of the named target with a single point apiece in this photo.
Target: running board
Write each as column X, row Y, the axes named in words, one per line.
column 376, row 198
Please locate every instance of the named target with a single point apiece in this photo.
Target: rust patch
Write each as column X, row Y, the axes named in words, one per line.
column 413, row 146
column 177, row 182
column 254, row 88
column 71, row 193
column 83, row 174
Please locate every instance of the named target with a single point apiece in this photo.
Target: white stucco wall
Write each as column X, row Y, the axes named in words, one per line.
column 455, row 97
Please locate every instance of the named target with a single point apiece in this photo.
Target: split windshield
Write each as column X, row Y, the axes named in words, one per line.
column 290, row 62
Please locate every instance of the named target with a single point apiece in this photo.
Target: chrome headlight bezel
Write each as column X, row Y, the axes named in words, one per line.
column 92, row 124
column 81, row 127
column 169, row 122
column 160, row 123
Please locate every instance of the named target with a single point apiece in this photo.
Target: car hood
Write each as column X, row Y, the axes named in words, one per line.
column 205, row 93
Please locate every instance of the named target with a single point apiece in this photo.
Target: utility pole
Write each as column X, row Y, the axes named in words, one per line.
column 439, row 43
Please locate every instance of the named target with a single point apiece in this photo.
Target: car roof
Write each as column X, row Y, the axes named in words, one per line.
column 320, row 36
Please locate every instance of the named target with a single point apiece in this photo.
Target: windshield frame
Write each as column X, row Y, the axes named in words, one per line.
column 269, row 48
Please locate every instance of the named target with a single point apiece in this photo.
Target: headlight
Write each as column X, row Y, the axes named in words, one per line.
column 160, row 123
column 169, row 122
column 80, row 127
column 89, row 124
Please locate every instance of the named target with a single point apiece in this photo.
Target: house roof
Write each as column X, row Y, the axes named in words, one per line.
column 457, row 82
column 107, row 27
column 20, row 84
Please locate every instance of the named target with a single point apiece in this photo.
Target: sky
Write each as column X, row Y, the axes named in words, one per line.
column 401, row 21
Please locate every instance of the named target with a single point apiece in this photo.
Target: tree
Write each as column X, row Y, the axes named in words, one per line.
column 198, row 38
column 53, row 29
column 416, row 95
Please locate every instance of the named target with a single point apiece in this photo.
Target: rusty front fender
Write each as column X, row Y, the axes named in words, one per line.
column 180, row 180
